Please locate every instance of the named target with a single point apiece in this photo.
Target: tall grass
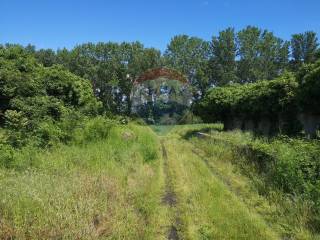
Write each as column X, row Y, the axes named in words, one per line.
column 279, row 177
column 103, row 185
column 207, row 209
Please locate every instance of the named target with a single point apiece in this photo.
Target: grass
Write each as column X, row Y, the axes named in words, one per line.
column 289, row 215
column 207, row 209
column 163, row 130
column 113, row 187
column 108, row 189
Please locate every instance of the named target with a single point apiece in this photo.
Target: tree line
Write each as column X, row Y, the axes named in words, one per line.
column 44, row 92
column 246, row 56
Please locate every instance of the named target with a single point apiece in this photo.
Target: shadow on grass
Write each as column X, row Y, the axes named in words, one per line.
column 162, row 130
column 193, row 133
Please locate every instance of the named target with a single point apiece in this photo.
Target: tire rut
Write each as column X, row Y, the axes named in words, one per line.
column 169, row 197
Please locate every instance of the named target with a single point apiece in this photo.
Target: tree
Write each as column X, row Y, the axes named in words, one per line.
column 304, row 48
column 248, row 52
column 223, row 61
column 46, row 56
column 33, row 96
column 318, row 54
column 190, row 55
column 112, row 68
column 261, row 55
column 273, row 55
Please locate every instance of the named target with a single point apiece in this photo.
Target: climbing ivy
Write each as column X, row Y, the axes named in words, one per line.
column 309, row 91
column 263, row 99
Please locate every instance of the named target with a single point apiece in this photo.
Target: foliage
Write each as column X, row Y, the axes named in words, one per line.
column 309, row 92
column 283, row 163
column 6, row 155
column 277, row 177
column 92, row 130
column 190, row 56
column 262, row 55
column 251, row 101
column 161, row 100
column 223, row 61
column 112, row 69
column 304, row 48
column 35, row 99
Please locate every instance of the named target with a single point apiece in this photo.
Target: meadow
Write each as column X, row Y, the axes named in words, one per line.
column 136, row 183
column 108, row 188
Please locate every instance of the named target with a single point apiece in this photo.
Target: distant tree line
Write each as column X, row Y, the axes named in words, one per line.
column 245, row 56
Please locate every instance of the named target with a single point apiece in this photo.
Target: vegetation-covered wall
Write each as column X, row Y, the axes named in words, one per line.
column 287, row 104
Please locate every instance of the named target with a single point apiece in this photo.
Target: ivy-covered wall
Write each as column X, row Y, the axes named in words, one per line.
column 285, row 105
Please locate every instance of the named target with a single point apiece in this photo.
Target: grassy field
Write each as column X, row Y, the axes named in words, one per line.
column 108, row 189
column 206, row 208
column 143, row 184
column 290, row 216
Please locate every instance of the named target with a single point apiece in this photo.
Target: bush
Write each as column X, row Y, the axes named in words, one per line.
column 278, row 101
column 49, row 134
column 38, row 101
column 6, row 155
column 189, row 117
column 286, row 164
column 250, row 101
column 94, row 129
column 309, row 92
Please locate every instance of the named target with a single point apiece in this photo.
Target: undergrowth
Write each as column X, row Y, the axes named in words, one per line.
column 103, row 185
column 283, row 173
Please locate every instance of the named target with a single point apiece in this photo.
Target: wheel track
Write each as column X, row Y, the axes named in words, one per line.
column 169, row 197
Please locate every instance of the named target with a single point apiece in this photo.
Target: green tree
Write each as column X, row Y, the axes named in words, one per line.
column 35, row 99
column 261, row 55
column 318, row 54
column 223, row 61
column 248, row 52
column 273, row 55
column 304, row 48
column 190, row 55
column 47, row 57
column 112, row 69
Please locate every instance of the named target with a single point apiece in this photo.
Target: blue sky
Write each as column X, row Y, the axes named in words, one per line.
column 65, row 23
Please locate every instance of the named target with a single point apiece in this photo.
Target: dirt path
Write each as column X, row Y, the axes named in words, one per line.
column 169, row 197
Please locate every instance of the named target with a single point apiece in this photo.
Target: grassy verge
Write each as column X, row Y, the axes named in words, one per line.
column 206, row 208
column 109, row 189
column 267, row 176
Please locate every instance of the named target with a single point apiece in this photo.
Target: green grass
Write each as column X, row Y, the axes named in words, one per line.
column 207, row 208
column 163, row 130
column 289, row 215
column 109, row 189
column 112, row 187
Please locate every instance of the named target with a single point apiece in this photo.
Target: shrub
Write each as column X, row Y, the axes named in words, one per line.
column 6, row 155
column 39, row 101
column 189, row 117
column 309, row 92
column 49, row 134
column 251, row 101
column 275, row 101
column 94, row 129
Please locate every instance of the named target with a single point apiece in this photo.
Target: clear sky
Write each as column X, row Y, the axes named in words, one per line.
column 65, row 23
